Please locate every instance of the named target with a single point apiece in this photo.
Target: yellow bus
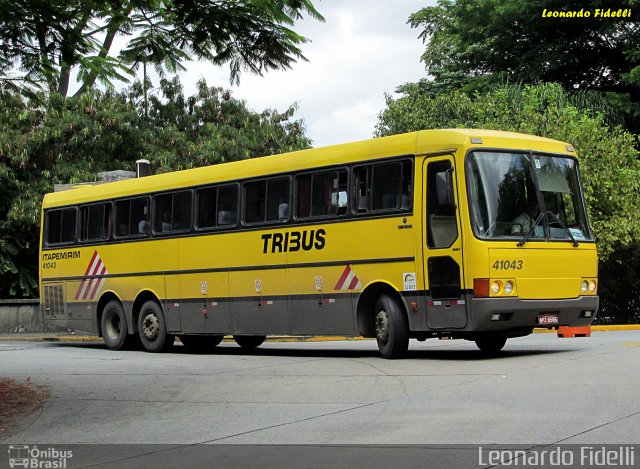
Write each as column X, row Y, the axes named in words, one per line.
column 470, row 234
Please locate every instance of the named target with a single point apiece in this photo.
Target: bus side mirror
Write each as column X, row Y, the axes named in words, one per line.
column 444, row 188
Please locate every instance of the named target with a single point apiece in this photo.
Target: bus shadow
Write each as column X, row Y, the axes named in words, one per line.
column 301, row 350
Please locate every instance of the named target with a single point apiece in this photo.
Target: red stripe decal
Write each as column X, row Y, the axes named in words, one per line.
column 343, row 278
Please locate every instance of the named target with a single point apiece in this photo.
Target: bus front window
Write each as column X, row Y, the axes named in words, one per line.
column 508, row 192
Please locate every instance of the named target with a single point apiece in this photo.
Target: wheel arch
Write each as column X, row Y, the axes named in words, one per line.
column 366, row 305
column 142, row 298
column 105, row 298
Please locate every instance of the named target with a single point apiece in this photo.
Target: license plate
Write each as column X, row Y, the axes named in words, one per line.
column 548, row 319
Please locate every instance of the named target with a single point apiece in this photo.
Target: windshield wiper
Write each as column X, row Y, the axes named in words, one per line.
column 564, row 227
column 526, row 237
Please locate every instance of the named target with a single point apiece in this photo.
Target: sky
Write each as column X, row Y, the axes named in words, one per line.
column 364, row 50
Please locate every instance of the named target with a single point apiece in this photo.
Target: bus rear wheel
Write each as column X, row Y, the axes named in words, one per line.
column 152, row 328
column 249, row 342
column 200, row 343
column 114, row 325
column 491, row 345
column 392, row 328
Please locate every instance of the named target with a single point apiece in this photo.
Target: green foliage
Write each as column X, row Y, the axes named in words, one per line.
column 620, row 286
column 43, row 43
column 608, row 158
column 211, row 127
column 71, row 140
column 475, row 43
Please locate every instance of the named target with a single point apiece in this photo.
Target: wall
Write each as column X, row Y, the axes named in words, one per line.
column 20, row 316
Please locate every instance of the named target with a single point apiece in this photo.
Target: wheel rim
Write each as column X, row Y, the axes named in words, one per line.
column 113, row 326
column 382, row 326
column 150, row 326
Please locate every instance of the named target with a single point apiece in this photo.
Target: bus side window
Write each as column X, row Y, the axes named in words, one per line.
column 326, row 193
column 384, row 186
column 217, row 206
column 181, row 209
column 172, row 212
column 267, row 200
column 303, row 196
column 278, row 199
column 206, row 207
column 391, row 186
column 108, row 220
column 321, row 194
column 139, row 216
column 361, row 185
column 61, row 226
column 122, row 218
column 132, row 217
column 255, row 195
column 227, row 205
column 162, row 213
column 339, row 195
column 95, row 222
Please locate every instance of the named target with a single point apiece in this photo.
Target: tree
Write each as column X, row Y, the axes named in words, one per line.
column 608, row 158
column 472, row 43
column 53, row 140
column 43, row 43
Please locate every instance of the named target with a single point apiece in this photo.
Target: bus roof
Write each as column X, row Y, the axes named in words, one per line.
column 414, row 143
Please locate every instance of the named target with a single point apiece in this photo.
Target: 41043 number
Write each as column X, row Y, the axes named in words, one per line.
column 508, row 265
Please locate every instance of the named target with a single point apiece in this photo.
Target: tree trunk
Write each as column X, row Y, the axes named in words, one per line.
column 63, row 84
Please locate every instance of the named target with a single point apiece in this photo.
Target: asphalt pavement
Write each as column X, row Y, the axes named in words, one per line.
column 541, row 390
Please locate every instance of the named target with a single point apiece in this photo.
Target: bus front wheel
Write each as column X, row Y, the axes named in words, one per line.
column 114, row 325
column 392, row 328
column 249, row 342
column 491, row 345
column 152, row 328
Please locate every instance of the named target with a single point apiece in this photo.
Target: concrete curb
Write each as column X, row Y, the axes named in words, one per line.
column 53, row 337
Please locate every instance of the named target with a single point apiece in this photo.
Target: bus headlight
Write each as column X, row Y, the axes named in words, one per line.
column 495, row 287
column 589, row 286
column 508, row 288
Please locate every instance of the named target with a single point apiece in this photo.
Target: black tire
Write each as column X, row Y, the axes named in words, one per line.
column 114, row 325
column 152, row 328
column 392, row 327
column 491, row 345
column 200, row 343
column 249, row 342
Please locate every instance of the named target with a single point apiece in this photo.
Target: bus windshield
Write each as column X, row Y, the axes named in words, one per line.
column 510, row 192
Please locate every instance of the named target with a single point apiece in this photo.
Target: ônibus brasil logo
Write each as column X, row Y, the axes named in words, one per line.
column 34, row 457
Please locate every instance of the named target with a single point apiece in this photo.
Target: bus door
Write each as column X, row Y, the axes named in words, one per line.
column 442, row 246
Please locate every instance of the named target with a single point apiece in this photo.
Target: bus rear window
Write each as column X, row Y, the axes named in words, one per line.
column 61, row 226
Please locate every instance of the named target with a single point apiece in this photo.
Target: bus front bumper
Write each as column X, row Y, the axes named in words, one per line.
column 500, row 314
